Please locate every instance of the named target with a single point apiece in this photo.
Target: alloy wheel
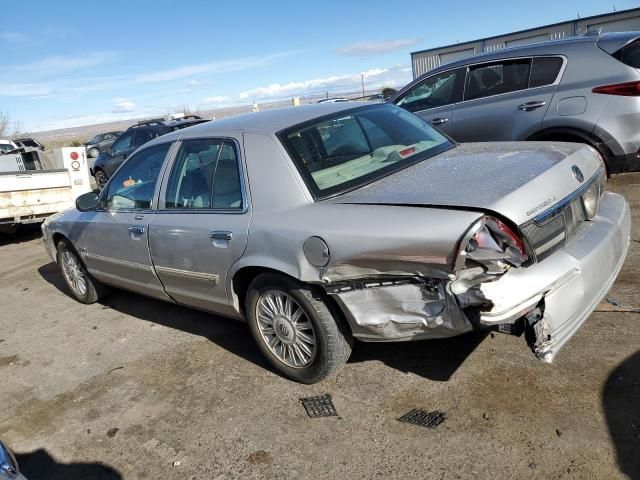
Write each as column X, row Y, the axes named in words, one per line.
column 286, row 329
column 73, row 273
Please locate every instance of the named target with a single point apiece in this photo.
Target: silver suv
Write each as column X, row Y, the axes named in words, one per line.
column 580, row 89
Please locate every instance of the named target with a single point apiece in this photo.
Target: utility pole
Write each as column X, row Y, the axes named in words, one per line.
column 362, row 78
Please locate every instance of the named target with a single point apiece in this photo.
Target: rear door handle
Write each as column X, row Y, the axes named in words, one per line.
column 527, row 107
column 136, row 230
column 221, row 235
column 439, row 121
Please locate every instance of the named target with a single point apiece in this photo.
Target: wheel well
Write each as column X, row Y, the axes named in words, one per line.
column 57, row 237
column 571, row 135
column 243, row 278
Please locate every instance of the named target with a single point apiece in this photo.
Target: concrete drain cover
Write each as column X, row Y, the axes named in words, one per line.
column 424, row 419
column 320, row 406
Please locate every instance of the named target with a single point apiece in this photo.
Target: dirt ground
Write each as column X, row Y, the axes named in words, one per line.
column 139, row 389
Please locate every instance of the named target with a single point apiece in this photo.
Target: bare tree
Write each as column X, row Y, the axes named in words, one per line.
column 4, row 124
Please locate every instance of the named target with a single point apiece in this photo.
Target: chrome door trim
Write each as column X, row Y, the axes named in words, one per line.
column 175, row 272
column 116, row 261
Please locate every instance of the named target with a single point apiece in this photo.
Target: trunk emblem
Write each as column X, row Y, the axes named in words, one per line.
column 577, row 173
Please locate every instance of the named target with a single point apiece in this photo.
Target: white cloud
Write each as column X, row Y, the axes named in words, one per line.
column 193, row 83
column 373, row 78
column 23, row 89
column 61, row 64
column 13, row 37
column 223, row 66
column 122, row 105
column 364, row 49
column 216, row 99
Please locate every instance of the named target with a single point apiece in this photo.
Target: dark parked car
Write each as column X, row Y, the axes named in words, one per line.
column 100, row 143
column 137, row 135
column 184, row 122
column 109, row 161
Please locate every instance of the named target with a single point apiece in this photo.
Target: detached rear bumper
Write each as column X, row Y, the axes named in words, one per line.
column 571, row 282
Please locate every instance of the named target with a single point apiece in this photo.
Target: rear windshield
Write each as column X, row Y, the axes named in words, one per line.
column 340, row 152
column 629, row 54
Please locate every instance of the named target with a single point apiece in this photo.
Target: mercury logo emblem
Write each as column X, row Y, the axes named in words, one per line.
column 577, row 173
column 284, row 329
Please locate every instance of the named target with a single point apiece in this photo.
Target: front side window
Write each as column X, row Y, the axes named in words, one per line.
column 337, row 153
column 133, row 184
column 441, row 89
column 497, row 78
column 124, row 142
column 6, row 147
column 205, row 175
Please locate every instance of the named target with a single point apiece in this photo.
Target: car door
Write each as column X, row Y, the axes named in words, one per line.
column 104, row 140
column 115, row 242
column 433, row 98
column 201, row 227
column 120, row 150
column 498, row 103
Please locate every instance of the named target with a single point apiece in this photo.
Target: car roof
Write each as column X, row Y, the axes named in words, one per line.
column 542, row 48
column 267, row 122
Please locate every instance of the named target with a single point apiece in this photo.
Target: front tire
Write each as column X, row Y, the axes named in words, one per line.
column 297, row 328
column 101, row 179
column 83, row 286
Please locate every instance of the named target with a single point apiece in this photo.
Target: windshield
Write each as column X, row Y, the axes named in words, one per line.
column 6, row 147
column 354, row 147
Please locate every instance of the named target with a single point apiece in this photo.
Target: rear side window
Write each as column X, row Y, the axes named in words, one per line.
column 496, row 78
column 205, row 175
column 544, row 71
column 436, row 91
column 629, row 54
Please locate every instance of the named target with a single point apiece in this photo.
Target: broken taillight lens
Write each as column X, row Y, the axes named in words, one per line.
column 494, row 245
column 628, row 89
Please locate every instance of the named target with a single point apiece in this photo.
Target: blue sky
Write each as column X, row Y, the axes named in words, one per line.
column 77, row 63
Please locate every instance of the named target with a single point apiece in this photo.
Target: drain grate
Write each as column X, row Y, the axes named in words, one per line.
column 320, row 406
column 424, row 419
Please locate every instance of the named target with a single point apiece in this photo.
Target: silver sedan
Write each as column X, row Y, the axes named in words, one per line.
column 322, row 223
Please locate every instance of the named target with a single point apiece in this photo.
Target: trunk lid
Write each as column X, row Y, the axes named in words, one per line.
column 517, row 180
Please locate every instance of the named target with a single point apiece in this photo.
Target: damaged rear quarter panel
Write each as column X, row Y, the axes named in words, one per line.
column 373, row 242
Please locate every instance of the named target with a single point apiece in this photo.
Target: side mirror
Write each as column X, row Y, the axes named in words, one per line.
column 87, row 202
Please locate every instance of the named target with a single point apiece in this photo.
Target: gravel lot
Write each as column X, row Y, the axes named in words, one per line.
column 136, row 388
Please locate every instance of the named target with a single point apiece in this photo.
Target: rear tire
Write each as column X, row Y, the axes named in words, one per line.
column 83, row 286
column 295, row 326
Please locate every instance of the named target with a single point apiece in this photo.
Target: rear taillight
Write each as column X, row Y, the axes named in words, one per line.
column 493, row 244
column 629, row 89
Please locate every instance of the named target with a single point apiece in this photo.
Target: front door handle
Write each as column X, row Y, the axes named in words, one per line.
column 439, row 121
column 221, row 235
column 527, row 107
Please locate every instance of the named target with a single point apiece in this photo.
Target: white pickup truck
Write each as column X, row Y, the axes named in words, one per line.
column 31, row 195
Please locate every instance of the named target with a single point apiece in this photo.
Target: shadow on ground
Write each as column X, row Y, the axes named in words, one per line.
column 39, row 464
column 24, row 233
column 435, row 359
column 621, row 401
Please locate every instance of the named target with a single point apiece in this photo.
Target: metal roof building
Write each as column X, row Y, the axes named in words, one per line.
column 624, row 20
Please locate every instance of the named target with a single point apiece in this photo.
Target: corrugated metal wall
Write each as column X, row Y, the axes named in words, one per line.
column 614, row 22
